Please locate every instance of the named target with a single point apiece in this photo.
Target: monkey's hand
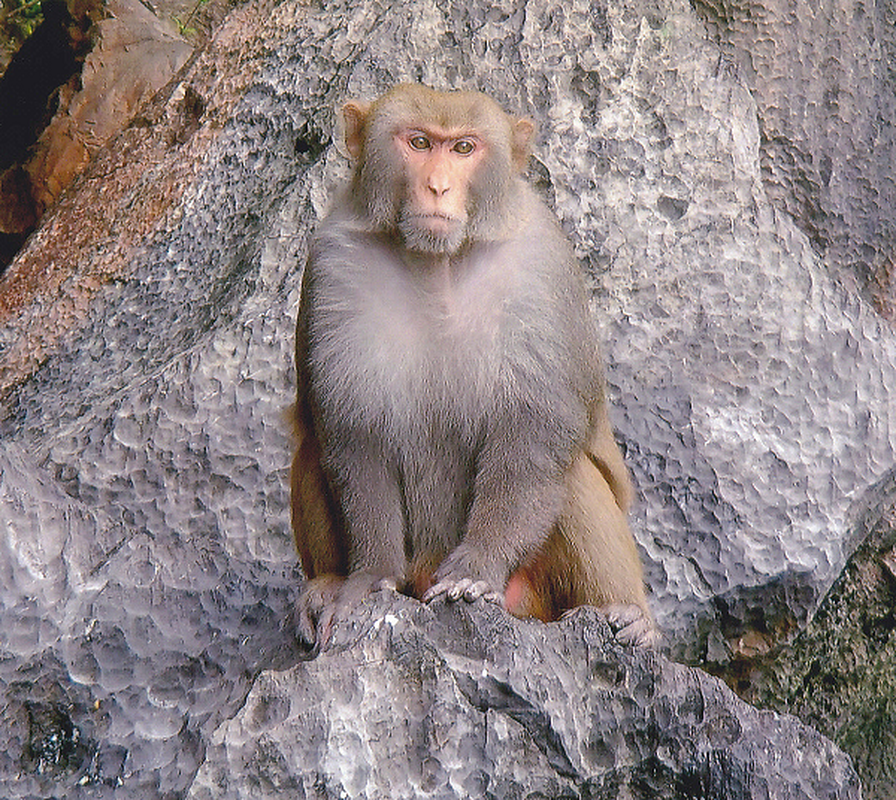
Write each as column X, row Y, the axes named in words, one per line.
column 326, row 596
column 454, row 579
column 465, row 588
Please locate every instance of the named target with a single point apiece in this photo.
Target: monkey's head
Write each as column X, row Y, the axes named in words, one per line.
column 438, row 168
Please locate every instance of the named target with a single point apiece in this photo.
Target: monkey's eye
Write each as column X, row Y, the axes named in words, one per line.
column 464, row 147
column 419, row 142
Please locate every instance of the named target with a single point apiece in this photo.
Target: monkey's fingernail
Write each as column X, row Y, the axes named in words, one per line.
column 434, row 591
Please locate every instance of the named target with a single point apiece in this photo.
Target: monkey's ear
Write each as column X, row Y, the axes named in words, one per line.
column 350, row 128
column 523, row 133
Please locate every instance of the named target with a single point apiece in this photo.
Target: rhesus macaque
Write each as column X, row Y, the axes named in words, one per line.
column 453, row 436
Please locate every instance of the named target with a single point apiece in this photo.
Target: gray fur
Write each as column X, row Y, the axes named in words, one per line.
column 451, row 391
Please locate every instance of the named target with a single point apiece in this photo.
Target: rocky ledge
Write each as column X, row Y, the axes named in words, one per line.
column 462, row 700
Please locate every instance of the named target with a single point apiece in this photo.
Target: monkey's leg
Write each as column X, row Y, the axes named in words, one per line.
column 321, row 545
column 589, row 559
column 324, row 547
column 518, row 493
column 594, row 532
column 552, row 586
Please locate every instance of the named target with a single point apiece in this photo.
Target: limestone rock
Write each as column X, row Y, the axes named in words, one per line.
column 135, row 54
column 463, row 701
column 132, row 54
column 146, row 347
column 838, row 673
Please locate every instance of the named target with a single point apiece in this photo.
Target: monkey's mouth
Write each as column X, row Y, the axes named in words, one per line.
column 431, row 231
column 438, row 219
column 439, row 224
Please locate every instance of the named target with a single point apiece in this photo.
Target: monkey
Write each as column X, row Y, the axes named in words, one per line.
column 453, row 433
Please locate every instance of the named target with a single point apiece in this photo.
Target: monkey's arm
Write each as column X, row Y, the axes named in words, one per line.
column 315, row 521
column 541, row 422
column 370, row 498
column 323, row 529
column 519, row 492
column 340, row 465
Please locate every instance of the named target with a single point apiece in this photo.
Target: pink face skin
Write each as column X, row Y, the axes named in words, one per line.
column 440, row 165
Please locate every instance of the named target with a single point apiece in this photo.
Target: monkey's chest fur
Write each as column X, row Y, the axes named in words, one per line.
column 410, row 351
column 427, row 359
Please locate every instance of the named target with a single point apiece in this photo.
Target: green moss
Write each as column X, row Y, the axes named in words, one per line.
column 18, row 19
column 839, row 674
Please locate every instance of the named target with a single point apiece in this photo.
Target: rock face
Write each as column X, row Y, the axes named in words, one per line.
column 133, row 53
column 145, row 360
column 838, row 673
column 456, row 702
column 803, row 67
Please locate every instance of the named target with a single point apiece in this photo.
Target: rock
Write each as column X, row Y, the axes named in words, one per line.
column 801, row 65
column 464, row 701
column 134, row 55
column 749, row 383
column 837, row 674
column 145, row 360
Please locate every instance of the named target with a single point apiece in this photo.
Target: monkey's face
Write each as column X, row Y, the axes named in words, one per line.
column 439, row 168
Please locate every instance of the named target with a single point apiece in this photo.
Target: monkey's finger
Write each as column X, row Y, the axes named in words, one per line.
column 437, row 590
column 452, row 589
column 638, row 634
column 307, row 632
column 325, row 628
column 465, row 588
column 389, row 584
column 620, row 615
column 479, row 590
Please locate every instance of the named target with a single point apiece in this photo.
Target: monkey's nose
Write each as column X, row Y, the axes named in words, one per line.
column 438, row 182
column 438, row 188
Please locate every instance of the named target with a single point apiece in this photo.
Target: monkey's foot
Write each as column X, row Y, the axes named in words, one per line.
column 465, row 588
column 326, row 596
column 632, row 625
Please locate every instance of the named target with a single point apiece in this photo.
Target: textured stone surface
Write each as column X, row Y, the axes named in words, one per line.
column 838, row 673
column 134, row 55
column 463, row 702
column 147, row 331
column 806, row 65
column 74, row 85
